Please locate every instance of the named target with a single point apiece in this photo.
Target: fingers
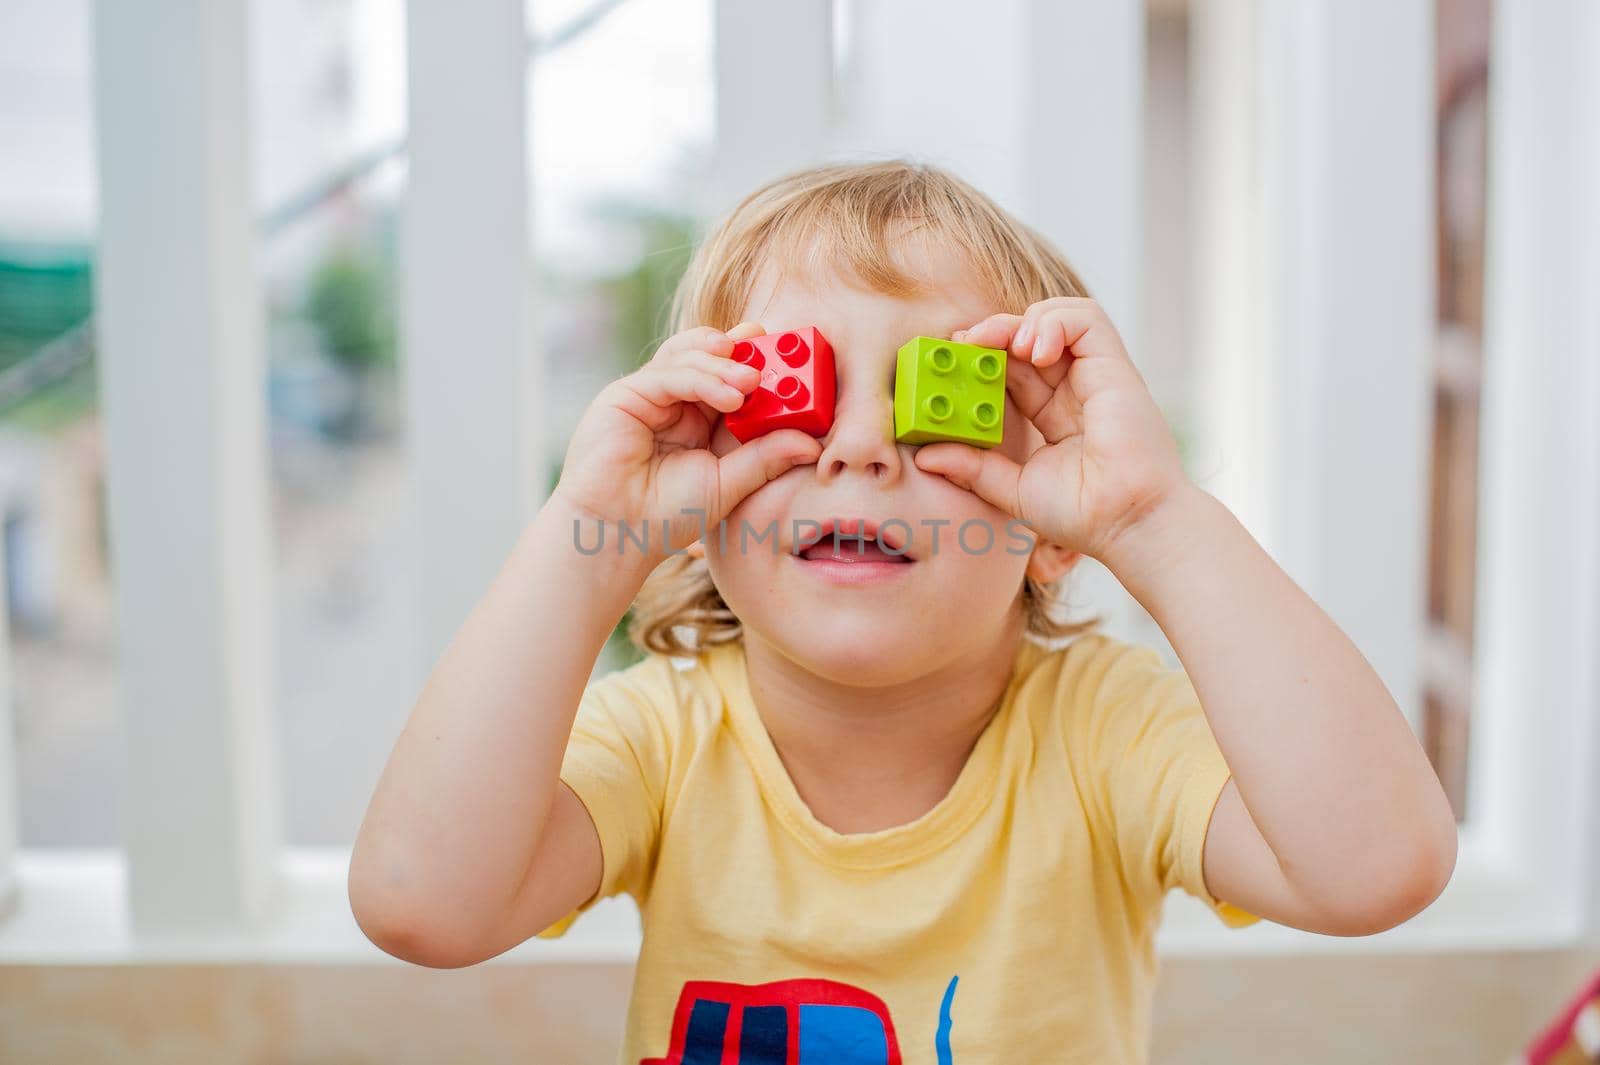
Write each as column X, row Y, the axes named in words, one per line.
column 1072, row 325
column 1029, row 389
column 994, row 331
column 1034, row 388
column 741, row 377
column 1053, row 410
column 697, row 345
column 1049, row 341
column 1052, row 337
column 701, row 338
column 749, row 466
column 655, row 394
column 986, row 472
column 704, row 338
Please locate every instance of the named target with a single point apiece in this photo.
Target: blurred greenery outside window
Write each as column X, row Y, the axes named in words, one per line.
column 45, row 291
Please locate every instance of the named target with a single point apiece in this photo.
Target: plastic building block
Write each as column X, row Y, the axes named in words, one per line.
column 949, row 391
column 797, row 384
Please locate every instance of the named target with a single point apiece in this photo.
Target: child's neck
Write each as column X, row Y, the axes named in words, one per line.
column 866, row 759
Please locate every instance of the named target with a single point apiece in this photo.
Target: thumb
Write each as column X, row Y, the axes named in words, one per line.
column 751, row 465
column 985, row 472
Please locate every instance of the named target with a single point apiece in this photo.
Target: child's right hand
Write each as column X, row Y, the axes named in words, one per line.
column 641, row 452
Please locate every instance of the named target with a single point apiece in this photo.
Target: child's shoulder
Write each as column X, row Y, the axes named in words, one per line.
column 1091, row 664
column 677, row 689
column 1095, row 676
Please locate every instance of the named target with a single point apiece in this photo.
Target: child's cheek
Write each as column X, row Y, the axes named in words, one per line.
column 769, row 506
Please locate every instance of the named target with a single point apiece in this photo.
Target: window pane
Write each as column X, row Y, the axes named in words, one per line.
column 622, row 132
column 57, row 568
column 329, row 113
column 620, row 113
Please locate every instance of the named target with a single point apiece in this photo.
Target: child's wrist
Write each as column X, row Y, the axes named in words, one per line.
column 1161, row 537
column 591, row 543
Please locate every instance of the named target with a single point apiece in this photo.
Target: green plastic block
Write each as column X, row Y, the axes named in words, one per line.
column 949, row 391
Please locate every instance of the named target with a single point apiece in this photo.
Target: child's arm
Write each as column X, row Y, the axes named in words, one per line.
column 1334, row 821
column 469, row 846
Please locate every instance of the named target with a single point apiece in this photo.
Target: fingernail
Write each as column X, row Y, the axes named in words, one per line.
column 1024, row 335
column 1038, row 349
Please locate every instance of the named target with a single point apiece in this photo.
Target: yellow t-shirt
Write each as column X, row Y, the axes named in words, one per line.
column 1012, row 922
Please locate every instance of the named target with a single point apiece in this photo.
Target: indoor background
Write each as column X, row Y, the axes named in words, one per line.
column 299, row 300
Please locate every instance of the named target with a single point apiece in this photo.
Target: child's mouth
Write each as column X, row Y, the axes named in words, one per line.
column 854, row 551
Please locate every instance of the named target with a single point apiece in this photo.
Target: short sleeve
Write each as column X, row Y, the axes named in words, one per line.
column 1160, row 770
column 616, row 762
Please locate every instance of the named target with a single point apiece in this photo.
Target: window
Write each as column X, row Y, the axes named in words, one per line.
column 610, row 238
column 58, row 580
column 1295, row 109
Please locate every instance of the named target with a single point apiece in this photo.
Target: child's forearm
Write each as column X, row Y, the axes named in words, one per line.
column 459, row 808
column 1327, row 767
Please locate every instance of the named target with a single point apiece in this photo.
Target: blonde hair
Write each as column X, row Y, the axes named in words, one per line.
column 853, row 216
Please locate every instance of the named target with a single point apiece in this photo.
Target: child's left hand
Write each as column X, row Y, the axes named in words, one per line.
column 1109, row 457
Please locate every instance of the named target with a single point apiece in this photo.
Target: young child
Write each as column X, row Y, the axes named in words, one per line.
column 873, row 808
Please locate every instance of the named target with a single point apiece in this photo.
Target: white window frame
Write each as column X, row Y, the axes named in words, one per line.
column 1526, row 875
column 1529, row 870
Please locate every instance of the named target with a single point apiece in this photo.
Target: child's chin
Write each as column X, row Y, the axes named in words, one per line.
column 862, row 651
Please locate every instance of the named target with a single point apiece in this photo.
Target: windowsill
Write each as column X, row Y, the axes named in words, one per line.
column 71, row 908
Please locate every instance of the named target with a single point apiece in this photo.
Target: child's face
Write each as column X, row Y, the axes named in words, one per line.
column 877, row 620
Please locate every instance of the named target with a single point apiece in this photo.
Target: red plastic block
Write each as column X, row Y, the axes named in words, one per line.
column 797, row 384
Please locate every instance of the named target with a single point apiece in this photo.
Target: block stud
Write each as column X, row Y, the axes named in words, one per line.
column 988, row 366
column 941, row 360
column 748, row 354
column 985, row 416
column 793, row 350
column 938, row 406
column 792, row 392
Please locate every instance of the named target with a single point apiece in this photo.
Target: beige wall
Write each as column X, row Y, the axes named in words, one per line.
column 1459, row 1009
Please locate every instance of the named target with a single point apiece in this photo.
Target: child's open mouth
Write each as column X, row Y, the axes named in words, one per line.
column 854, row 551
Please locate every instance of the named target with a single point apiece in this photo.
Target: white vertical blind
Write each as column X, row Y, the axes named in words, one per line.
column 774, row 85
column 467, row 340
column 178, row 313
column 1316, row 205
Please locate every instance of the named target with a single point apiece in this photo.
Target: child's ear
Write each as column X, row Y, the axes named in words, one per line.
column 1049, row 562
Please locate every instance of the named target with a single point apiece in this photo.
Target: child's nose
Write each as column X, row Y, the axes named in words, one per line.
column 861, row 439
